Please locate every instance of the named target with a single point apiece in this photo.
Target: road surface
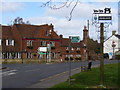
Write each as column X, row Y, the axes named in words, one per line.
column 23, row 75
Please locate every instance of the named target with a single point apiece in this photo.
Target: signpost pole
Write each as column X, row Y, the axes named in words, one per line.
column 69, row 59
column 101, row 54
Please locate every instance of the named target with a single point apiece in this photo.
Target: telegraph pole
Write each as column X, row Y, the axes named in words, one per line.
column 101, row 54
column 102, row 17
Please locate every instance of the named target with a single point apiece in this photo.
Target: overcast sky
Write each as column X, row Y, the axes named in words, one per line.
column 37, row 15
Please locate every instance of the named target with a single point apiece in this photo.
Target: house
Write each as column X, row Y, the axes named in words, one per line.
column 21, row 41
column 112, row 44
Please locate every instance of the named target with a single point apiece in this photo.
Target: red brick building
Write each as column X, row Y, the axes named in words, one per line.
column 22, row 41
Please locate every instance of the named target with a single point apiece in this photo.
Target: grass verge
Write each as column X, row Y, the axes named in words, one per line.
column 90, row 79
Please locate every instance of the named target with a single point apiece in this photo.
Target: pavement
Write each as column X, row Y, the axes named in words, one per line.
column 56, row 79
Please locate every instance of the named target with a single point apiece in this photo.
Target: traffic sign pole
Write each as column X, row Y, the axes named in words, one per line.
column 69, row 59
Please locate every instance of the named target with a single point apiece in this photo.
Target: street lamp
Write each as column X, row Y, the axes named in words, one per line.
column 50, row 46
column 113, row 45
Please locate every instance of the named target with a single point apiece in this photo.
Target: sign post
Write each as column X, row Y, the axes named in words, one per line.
column 42, row 51
column 102, row 17
column 72, row 39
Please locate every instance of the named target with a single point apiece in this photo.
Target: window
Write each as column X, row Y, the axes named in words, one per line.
column 9, row 42
column 67, row 48
column 43, row 43
column 29, row 42
column 52, row 43
column 78, row 55
column 78, row 48
column 46, row 33
column 0, row 42
column 29, row 55
column 72, row 49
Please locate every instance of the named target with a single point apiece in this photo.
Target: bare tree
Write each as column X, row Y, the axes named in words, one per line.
column 19, row 20
column 66, row 4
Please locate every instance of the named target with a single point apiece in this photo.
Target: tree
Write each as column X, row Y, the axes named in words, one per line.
column 19, row 20
column 66, row 4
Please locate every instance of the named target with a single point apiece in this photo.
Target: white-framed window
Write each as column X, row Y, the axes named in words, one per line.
column 78, row 55
column 72, row 49
column 78, row 48
column 29, row 55
column 29, row 42
column 43, row 43
column 10, row 42
column 46, row 33
column 52, row 43
column 66, row 48
column 66, row 55
column 0, row 42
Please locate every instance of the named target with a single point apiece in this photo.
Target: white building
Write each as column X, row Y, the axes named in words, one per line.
column 108, row 48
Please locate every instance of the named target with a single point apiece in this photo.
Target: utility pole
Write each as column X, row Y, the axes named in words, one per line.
column 101, row 54
column 102, row 18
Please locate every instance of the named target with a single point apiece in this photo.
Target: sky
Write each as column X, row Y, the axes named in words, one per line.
column 32, row 11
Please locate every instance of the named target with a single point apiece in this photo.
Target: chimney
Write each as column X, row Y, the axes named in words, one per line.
column 85, row 33
column 61, row 36
column 113, row 32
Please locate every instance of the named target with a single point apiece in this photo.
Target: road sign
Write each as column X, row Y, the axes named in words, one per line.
column 42, row 49
column 41, row 53
column 75, row 39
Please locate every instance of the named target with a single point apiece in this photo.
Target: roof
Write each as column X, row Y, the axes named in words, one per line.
column 65, row 43
column 6, row 32
column 118, row 36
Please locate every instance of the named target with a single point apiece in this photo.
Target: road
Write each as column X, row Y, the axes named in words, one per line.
column 23, row 75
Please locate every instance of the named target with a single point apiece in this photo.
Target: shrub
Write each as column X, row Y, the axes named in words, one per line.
column 78, row 58
column 117, row 57
column 30, row 47
column 67, row 58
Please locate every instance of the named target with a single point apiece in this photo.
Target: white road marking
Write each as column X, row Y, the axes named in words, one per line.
column 11, row 72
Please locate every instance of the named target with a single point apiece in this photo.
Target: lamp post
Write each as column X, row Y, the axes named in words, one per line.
column 113, row 45
column 50, row 46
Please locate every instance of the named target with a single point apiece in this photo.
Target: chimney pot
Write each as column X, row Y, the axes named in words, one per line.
column 113, row 32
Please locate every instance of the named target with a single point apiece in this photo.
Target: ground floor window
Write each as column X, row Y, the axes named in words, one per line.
column 53, row 55
column 29, row 55
column 78, row 55
column 11, row 55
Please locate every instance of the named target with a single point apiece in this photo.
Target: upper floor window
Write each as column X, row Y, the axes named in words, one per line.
column 67, row 48
column 43, row 43
column 46, row 33
column 9, row 42
column 52, row 43
column 29, row 42
column 78, row 48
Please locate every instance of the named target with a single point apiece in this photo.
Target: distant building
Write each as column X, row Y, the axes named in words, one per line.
column 112, row 44
column 21, row 41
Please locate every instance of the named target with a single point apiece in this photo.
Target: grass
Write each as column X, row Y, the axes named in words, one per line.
column 90, row 79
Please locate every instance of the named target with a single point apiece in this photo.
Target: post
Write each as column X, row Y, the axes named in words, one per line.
column 101, row 54
column 50, row 53
column 69, row 59
column 22, row 56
